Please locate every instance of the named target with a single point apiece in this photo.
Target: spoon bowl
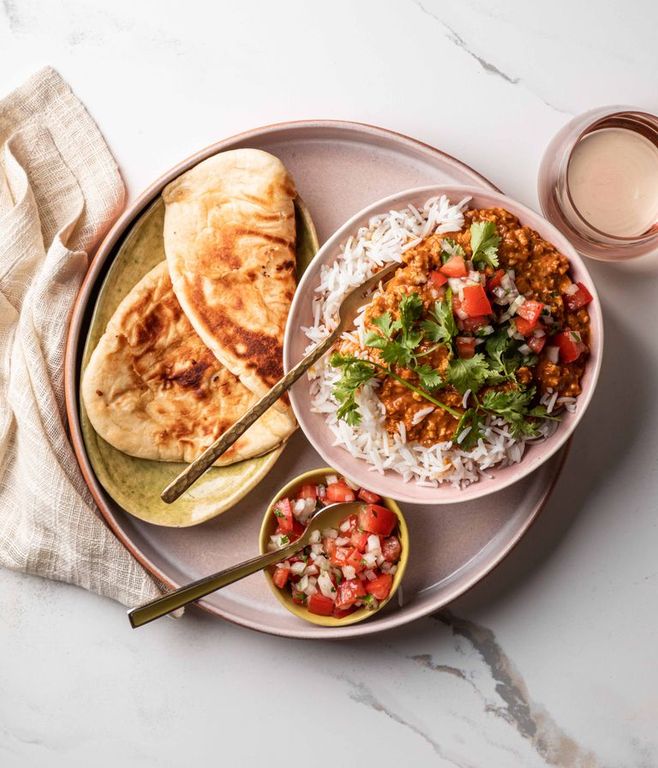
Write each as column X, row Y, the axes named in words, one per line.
column 329, row 517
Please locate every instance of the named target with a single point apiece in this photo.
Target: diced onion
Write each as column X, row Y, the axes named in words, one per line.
column 315, row 536
column 322, row 562
column 524, row 349
column 370, row 574
column 370, row 559
column 553, row 354
column 326, row 586
column 330, row 533
column 349, row 572
column 373, row 544
column 331, row 479
column 571, row 290
column 345, row 526
column 297, row 569
column 342, row 541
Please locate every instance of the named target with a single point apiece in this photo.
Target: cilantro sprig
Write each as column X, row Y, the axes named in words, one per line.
column 484, row 243
column 441, row 327
column 399, row 340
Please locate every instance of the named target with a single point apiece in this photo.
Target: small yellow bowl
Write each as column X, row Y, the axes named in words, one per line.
column 284, row 597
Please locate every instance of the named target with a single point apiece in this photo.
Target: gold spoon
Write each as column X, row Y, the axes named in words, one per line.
column 346, row 314
column 327, row 517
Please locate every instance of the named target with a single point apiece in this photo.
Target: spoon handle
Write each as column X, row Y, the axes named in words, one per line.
column 204, row 461
column 161, row 606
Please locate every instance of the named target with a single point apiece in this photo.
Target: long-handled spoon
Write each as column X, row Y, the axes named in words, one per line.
column 327, row 517
column 346, row 314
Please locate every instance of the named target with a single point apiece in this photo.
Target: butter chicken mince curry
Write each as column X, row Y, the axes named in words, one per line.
column 473, row 348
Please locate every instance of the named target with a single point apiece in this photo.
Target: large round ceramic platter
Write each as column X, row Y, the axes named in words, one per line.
column 339, row 168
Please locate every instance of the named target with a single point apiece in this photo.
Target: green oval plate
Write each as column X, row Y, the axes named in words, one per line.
column 135, row 483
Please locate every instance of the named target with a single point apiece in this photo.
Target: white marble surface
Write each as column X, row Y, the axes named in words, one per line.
column 553, row 659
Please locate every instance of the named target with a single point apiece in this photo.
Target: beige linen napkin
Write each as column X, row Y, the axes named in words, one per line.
column 60, row 189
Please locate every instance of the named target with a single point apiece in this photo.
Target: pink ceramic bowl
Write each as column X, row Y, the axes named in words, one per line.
column 391, row 484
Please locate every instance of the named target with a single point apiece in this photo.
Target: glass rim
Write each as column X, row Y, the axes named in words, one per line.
column 650, row 233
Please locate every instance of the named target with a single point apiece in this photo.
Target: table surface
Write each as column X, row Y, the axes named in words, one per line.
column 552, row 659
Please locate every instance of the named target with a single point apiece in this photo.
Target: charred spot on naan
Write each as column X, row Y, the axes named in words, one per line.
column 260, row 353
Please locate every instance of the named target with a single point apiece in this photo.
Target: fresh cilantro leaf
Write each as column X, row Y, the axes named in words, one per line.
column 514, row 406
column 441, row 327
column 540, row 412
column 376, row 340
column 356, row 373
column 508, row 401
column 503, row 357
column 411, row 308
column 386, row 324
column 484, row 243
column 429, row 377
column 396, row 353
column 470, row 418
column 465, row 374
column 450, row 248
column 397, row 349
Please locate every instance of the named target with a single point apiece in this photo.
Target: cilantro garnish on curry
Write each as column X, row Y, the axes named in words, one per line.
column 479, row 325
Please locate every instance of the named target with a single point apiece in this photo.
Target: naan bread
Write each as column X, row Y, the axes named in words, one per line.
column 153, row 389
column 229, row 236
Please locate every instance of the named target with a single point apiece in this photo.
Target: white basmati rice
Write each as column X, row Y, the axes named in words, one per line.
column 383, row 241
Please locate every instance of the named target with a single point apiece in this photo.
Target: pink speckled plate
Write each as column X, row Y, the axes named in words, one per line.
column 339, row 168
column 391, row 483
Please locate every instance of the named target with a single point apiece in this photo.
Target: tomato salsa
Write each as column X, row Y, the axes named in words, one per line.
column 342, row 569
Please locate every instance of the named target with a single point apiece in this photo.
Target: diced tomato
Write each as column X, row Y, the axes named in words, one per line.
column 391, row 549
column 369, row 497
column 329, row 546
column 381, row 586
column 359, row 540
column 340, row 614
column 308, row 492
column 337, row 555
column 465, row 346
column 475, row 301
column 318, row 603
column 496, row 279
column 280, row 577
column 283, row 514
column 455, row 267
column 581, row 298
column 297, row 530
column 571, row 346
column 531, row 311
column 437, row 279
column 524, row 327
column 355, row 559
column 340, row 492
column 349, row 591
column 537, row 343
column 473, row 323
column 377, row 519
